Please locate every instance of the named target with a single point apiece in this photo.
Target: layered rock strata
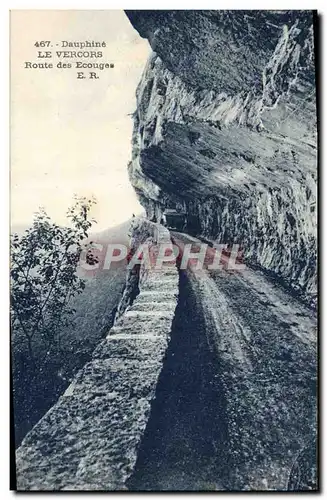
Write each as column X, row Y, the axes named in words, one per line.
column 225, row 128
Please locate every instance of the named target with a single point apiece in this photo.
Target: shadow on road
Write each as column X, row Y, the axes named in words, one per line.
column 184, row 444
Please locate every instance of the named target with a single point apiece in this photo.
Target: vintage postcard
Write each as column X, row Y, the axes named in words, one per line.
column 164, row 250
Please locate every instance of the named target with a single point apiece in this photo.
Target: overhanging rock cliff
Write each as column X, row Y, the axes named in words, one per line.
column 226, row 128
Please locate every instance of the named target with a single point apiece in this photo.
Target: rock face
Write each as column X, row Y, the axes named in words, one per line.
column 225, row 127
column 89, row 439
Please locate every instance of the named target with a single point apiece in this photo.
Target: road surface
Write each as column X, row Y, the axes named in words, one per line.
column 236, row 402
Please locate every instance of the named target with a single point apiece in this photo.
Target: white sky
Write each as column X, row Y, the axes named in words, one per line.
column 68, row 135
